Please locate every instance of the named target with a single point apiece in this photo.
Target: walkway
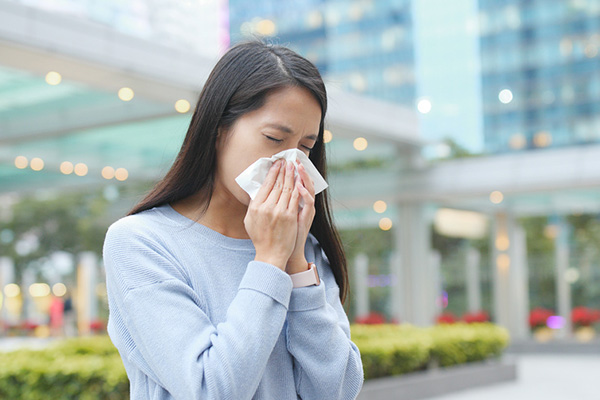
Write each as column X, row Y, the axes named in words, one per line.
column 544, row 377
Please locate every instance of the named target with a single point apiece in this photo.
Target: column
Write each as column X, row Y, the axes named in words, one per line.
column 7, row 276
column 30, row 312
column 436, row 283
column 520, row 284
column 396, row 295
column 361, row 284
column 563, row 288
column 509, row 260
column 412, row 238
column 473, row 258
column 87, row 302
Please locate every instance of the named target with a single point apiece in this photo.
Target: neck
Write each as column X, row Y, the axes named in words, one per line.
column 225, row 214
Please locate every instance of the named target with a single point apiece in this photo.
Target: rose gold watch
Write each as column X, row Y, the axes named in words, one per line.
column 306, row 278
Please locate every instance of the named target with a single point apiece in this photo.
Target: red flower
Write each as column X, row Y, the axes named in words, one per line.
column 372, row 318
column 29, row 325
column 97, row 325
column 477, row 316
column 446, row 318
column 583, row 316
column 539, row 316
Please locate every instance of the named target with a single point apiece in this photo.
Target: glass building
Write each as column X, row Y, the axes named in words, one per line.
column 362, row 46
column 540, row 81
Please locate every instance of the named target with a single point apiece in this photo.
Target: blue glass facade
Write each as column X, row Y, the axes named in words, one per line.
column 546, row 54
column 361, row 46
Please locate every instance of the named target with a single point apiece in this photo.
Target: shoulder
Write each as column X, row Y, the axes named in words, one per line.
column 139, row 249
column 149, row 227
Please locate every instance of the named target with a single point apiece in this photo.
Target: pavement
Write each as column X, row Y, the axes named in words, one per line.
column 543, row 377
column 16, row 342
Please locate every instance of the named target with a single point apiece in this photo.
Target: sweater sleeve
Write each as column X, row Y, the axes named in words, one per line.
column 158, row 322
column 327, row 363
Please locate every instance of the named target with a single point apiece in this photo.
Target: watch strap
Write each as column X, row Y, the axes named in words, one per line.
column 306, row 278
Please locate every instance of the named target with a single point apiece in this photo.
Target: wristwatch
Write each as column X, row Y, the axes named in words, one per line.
column 306, row 278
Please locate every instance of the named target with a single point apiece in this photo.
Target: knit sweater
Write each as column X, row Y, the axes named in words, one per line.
column 195, row 317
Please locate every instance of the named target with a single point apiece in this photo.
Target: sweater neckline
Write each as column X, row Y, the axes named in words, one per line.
column 212, row 235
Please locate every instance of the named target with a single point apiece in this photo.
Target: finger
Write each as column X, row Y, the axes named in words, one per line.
column 309, row 199
column 267, row 185
column 306, row 179
column 307, row 213
column 294, row 199
column 273, row 196
column 288, row 185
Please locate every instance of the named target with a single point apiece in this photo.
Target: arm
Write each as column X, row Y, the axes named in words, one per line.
column 161, row 328
column 327, row 364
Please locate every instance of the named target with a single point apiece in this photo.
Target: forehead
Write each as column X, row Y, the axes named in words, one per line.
column 293, row 106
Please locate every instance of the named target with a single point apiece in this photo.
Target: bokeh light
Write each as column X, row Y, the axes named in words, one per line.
column 360, row 143
column 37, row 164
column 53, row 78
column 81, row 169
column 182, row 106
column 380, row 206
column 66, row 167
column 502, row 243
column 503, row 261
column 542, row 139
column 59, row 289
column 266, row 27
column 21, row 162
column 12, row 290
column 39, row 290
column 424, row 106
column 496, row 197
column 505, row 96
column 555, row 322
column 385, row 224
column 327, row 136
column 121, row 174
column 126, row 94
column 108, row 172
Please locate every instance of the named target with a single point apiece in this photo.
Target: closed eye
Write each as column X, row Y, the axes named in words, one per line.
column 274, row 139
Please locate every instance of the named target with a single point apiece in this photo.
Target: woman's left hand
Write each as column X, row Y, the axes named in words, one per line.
column 297, row 261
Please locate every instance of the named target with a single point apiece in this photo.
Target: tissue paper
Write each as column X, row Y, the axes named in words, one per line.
column 253, row 177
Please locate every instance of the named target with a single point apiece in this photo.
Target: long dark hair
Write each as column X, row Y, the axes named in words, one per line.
column 239, row 84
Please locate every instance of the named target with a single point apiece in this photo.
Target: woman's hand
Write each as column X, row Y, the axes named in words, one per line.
column 305, row 187
column 272, row 217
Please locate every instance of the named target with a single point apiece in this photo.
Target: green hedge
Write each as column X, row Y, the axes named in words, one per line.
column 83, row 369
column 396, row 349
column 91, row 368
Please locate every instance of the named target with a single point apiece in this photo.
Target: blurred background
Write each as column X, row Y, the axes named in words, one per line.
column 463, row 143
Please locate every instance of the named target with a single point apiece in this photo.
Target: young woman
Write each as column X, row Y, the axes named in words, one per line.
column 204, row 293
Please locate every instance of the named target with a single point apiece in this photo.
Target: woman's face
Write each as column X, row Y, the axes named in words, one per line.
column 290, row 118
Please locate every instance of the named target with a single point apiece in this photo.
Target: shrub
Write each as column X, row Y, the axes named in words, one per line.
column 391, row 349
column 397, row 349
column 460, row 343
column 83, row 368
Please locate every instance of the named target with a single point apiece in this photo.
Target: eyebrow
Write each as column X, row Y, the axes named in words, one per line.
column 288, row 130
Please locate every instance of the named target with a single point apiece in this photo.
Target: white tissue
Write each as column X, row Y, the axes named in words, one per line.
column 253, row 177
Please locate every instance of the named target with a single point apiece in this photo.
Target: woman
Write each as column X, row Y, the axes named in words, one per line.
column 200, row 277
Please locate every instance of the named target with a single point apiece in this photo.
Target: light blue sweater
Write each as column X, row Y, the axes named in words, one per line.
column 194, row 317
